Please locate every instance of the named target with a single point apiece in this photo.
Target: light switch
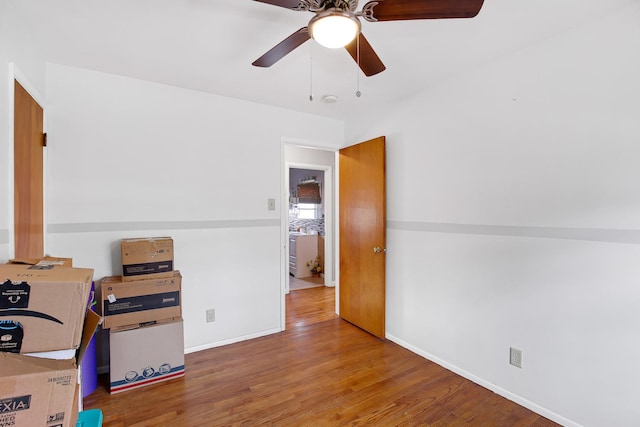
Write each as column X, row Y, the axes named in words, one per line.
column 271, row 204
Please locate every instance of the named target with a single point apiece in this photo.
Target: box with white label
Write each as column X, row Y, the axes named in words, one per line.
column 132, row 303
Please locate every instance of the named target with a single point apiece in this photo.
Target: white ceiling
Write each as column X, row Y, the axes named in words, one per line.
column 209, row 45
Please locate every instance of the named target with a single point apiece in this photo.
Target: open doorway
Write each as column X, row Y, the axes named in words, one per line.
column 308, row 226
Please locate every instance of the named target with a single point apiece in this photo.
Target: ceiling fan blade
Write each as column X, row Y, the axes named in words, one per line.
column 398, row 10
column 289, row 4
column 280, row 50
column 370, row 63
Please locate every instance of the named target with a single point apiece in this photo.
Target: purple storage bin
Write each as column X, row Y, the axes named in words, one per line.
column 89, row 364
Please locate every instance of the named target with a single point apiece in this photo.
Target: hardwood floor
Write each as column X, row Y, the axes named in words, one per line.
column 308, row 306
column 321, row 371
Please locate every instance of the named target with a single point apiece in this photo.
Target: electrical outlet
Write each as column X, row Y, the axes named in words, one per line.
column 211, row 315
column 271, row 204
column 515, row 357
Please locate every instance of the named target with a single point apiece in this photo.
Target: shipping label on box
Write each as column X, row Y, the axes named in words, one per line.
column 140, row 301
column 42, row 310
column 146, row 256
column 146, row 355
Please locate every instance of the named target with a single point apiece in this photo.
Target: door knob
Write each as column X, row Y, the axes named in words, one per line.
column 378, row 249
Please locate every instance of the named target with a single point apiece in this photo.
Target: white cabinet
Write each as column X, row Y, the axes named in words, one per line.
column 302, row 249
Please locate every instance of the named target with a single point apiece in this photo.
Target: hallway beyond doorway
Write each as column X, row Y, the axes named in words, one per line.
column 305, row 282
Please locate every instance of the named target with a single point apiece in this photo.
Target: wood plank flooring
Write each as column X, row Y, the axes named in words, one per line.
column 321, row 371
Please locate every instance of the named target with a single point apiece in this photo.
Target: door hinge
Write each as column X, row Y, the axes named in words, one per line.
column 44, row 139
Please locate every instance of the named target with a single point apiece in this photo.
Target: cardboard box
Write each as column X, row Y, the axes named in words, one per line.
column 146, row 355
column 151, row 257
column 36, row 391
column 132, row 303
column 47, row 262
column 42, row 310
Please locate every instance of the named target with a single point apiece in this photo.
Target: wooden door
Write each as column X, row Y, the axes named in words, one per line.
column 362, row 235
column 28, row 176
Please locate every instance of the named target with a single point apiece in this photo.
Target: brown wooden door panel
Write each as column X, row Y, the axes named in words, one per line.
column 363, row 228
column 28, row 176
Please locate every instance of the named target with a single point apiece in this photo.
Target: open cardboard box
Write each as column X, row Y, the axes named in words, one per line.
column 42, row 309
column 37, row 391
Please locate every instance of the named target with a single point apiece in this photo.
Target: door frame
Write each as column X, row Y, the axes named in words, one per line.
column 331, row 225
column 15, row 74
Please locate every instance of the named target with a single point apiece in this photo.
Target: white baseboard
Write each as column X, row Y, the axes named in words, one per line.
column 230, row 341
column 498, row 390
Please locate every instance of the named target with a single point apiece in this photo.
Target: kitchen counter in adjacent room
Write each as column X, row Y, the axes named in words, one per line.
column 302, row 249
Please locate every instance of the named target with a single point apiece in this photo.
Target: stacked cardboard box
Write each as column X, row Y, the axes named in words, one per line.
column 146, row 355
column 43, row 316
column 47, row 306
column 147, row 258
column 142, row 308
column 126, row 304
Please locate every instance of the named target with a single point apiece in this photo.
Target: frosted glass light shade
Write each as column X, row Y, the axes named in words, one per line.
column 334, row 28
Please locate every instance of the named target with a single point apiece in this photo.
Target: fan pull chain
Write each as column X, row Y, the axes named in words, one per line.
column 358, row 93
column 311, row 73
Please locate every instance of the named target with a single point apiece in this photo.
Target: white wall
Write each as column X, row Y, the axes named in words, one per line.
column 514, row 220
column 133, row 158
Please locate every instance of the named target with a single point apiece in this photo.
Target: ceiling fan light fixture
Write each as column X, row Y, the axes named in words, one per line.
column 334, row 28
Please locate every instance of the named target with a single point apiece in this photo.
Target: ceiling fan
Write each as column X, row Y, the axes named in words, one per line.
column 335, row 17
